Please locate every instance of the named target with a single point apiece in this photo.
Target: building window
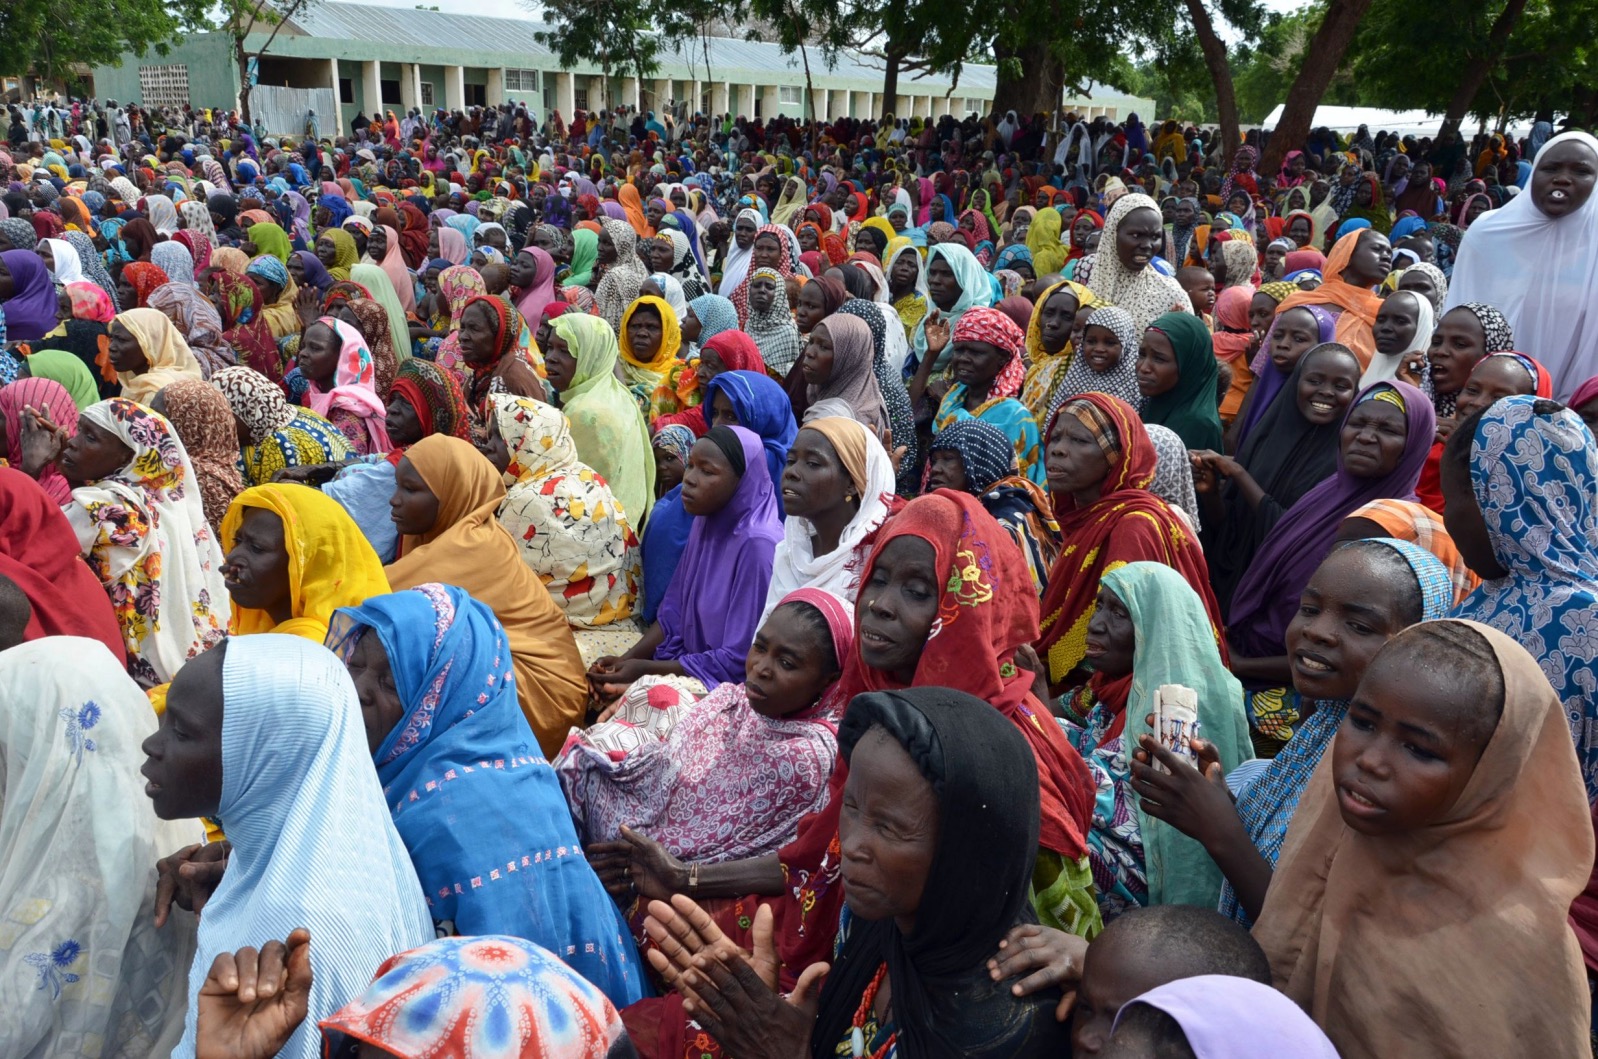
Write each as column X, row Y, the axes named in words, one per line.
column 521, row 81
column 390, row 91
column 427, row 93
column 477, row 95
column 346, row 90
column 164, row 86
column 580, row 98
column 789, row 95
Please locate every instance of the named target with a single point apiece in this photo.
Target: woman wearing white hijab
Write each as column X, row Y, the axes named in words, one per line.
column 66, row 267
column 1535, row 259
column 163, row 214
column 1385, row 367
column 81, row 958
column 736, row 267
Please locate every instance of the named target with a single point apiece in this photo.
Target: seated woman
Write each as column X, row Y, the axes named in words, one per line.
column 197, row 323
column 1364, row 905
column 1176, row 374
column 730, row 350
column 606, row 425
column 204, row 423
column 1502, row 373
column 649, row 338
column 708, row 616
column 244, row 327
column 971, row 456
column 293, row 763
column 837, row 489
column 140, row 523
column 293, row 557
column 1382, row 445
column 338, row 366
column 1101, row 464
column 566, row 523
column 917, row 803
column 49, row 398
column 84, row 335
column 1363, row 595
column 148, row 353
column 1403, row 334
column 985, row 363
column 738, row 769
column 421, row 661
column 1292, row 450
column 273, row 434
column 839, row 364
column 754, row 401
column 1288, row 337
column 666, row 533
column 84, row 958
column 1357, row 263
column 1149, row 628
column 1051, row 346
column 493, row 359
column 446, row 497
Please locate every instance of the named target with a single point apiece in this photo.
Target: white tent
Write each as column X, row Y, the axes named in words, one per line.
column 1404, row 122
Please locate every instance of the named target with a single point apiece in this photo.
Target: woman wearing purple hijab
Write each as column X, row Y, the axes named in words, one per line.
column 312, row 272
column 709, row 615
column 1386, row 435
column 27, row 297
column 1269, row 378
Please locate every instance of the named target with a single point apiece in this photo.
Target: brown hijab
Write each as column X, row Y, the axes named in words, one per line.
column 1452, row 940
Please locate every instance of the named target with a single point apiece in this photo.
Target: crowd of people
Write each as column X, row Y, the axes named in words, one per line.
column 689, row 587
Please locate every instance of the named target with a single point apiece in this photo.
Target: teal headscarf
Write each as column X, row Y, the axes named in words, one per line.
column 585, row 255
column 1176, row 645
column 1190, row 408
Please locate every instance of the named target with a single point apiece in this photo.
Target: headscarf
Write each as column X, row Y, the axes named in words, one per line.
column 1119, row 382
column 1043, row 241
column 244, row 325
column 1384, row 367
column 39, row 552
column 762, row 408
column 294, row 758
column 1268, row 380
column 853, row 378
column 618, row 287
column 144, row 278
column 481, row 994
column 1190, row 408
column 30, row 312
column 1221, row 1015
column 1358, row 305
column 205, row 424
column 1407, row 521
column 542, row 290
column 774, row 331
column 986, row 784
column 606, row 425
column 1146, row 294
column 1173, row 473
column 93, row 263
column 1515, row 847
column 344, row 252
column 1267, row 595
column 68, row 267
column 1126, row 524
column 716, row 316
column 79, row 838
column 393, row 266
column 61, row 366
column 168, row 355
column 46, row 396
column 570, row 528
column 330, row 563
column 975, row 292
column 585, row 255
column 354, row 387
column 394, row 323
column 271, row 240
column 197, row 322
column 166, row 581
column 735, row 266
column 279, row 435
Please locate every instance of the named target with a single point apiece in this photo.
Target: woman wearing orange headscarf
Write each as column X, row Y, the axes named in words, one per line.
column 1358, row 262
column 633, row 203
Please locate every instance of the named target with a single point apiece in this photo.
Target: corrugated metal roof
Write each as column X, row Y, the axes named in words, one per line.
column 513, row 42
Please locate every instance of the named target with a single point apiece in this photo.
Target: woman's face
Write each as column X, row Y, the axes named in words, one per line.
column 124, row 350
column 814, row 482
column 1478, row 206
column 817, row 361
column 721, row 412
column 808, row 240
column 871, row 241
column 1081, row 229
column 377, row 244
column 898, row 220
column 1111, row 637
column 1074, row 463
column 1058, row 320
column 1275, row 257
column 413, row 507
column 942, row 285
column 810, row 309
column 91, row 454
column 906, row 268
column 1349, row 609
column 1493, row 378
column 1373, row 439
column 607, row 247
column 373, row 677
column 183, row 758
column 403, row 424
column 1457, row 344
column 1563, row 179
column 523, row 271
column 762, row 294
column 1157, row 370
column 743, row 233
column 1138, row 239
column 1327, row 386
column 1299, row 231
column 977, row 364
column 46, row 254
column 256, row 570
column 768, row 252
column 709, row 481
column 326, row 251
column 433, row 247
column 897, row 606
column 1260, row 311
column 1396, row 322
column 1362, row 193
column 887, row 832
column 126, row 295
column 946, row 470
column 478, row 335
column 1371, row 260
column 653, row 212
column 319, row 349
column 1297, row 332
column 789, row 664
column 63, row 307
column 296, row 268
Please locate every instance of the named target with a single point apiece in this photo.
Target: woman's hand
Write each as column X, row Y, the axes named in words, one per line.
column 42, row 440
column 610, row 861
column 610, row 677
column 1205, row 480
column 650, row 867
column 252, row 1002
column 307, row 305
column 189, row 877
column 1192, row 800
column 937, row 331
column 1046, row 957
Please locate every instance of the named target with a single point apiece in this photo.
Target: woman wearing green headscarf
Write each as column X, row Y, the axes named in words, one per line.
column 63, row 367
column 1177, row 374
column 375, row 280
column 335, row 248
column 607, row 426
column 585, row 255
column 1141, row 860
column 270, row 239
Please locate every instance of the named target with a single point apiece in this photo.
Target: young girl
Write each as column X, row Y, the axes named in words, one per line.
column 1451, row 822
column 1465, row 334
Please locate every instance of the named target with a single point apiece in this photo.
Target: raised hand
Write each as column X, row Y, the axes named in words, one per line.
column 253, row 1001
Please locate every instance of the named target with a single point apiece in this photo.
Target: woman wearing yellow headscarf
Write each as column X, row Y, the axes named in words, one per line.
column 149, row 353
column 648, row 361
column 344, row 253
column 294, row 556
column 1043, row 239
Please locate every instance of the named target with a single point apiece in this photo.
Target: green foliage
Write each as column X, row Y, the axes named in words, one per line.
column 49, row 36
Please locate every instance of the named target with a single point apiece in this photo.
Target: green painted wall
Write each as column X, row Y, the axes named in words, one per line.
column 213, row 78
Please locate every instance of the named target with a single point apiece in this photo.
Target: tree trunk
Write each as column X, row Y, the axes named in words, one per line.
column 1220, row 74
column 890, row 82
column 1037, row 89
column 1322, row 56
column 244, row 81
column 1477, row 68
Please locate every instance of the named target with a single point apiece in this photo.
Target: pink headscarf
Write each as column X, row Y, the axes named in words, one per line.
column 354, row 386
column 393, row 264
column 542, row 290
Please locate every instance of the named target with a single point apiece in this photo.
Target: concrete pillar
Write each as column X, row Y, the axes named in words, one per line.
column 696, row 104
column 494, row 89
column 410, row 85
column 332, row 78
column 871, row 107
column 720, row 98
column 371, row 87
column 596, row 94
column 770, row 101
column 664, row 95
column 821, row 105
column 455, row 89
column 566, row 95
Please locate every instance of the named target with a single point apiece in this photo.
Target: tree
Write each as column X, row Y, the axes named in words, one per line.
column 619, row 34
column 1322, row 58
column 240, row 18
column 49, row 37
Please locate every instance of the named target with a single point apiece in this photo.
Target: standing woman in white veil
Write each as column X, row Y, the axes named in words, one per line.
column 1536, row 260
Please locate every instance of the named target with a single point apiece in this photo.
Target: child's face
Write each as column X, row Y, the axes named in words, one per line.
column 1401, row 758
column 1112, row 975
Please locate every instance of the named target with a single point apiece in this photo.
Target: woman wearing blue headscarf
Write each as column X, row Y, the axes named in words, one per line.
column 435, row 663
column 756, row 402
